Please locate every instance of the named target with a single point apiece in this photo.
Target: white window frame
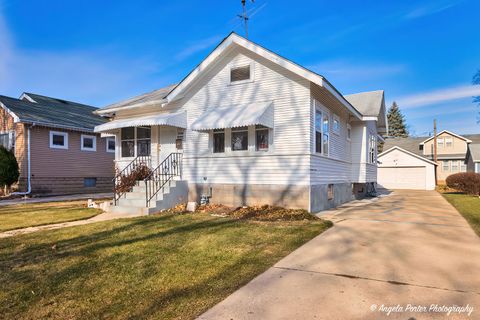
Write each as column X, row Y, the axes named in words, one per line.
column 235, row 66
column 11, row 138
column 477, row 167
column 446, row 166
column 65, row 139
column 455, row 166
column 324, row 113
column 440, row 142
column 86, row 136
column 106, row 144
column 463, row 166
column 372, row 148
column 349, row 132
column 448, row 140
column 336, row 119
column 256, row 128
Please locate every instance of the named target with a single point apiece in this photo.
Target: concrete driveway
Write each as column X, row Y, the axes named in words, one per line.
column 410, row 252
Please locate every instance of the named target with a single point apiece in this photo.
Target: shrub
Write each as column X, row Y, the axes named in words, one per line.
column 8, row 168
column 468, row 182
column 127, row 182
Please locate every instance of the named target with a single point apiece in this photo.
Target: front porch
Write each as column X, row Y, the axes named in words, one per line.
column 148, row 163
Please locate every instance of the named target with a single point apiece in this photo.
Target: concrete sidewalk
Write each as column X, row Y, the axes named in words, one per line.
column 57, row 198
column 411, row 247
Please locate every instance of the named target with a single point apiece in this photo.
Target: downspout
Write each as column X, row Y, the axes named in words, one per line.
column 29, row 189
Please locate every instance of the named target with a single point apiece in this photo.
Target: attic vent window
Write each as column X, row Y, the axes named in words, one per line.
column 238, row 74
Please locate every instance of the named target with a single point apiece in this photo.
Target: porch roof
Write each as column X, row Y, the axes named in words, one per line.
column 235, row 116
column 178, row 119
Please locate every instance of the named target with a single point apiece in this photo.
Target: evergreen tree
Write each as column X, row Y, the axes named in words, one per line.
column 8, row 168
column 396, row 122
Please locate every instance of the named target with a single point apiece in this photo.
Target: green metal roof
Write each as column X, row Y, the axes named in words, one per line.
column 52, row 112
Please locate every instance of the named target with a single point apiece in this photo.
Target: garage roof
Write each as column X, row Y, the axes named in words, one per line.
column 407, row 152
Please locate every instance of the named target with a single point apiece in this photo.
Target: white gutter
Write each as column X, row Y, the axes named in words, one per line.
column 29, row 189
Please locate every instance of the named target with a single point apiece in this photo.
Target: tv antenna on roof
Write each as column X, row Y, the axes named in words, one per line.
column 244, row 16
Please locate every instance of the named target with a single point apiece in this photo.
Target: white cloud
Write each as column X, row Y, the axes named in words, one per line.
column 432, row 8
column 197, row 47
column 438, row 96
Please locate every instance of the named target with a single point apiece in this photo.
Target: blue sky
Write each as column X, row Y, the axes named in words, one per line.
column 422, row 53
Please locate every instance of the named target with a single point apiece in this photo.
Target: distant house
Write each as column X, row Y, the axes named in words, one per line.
column 247, row 127
column 455, row 153
column 55, row 146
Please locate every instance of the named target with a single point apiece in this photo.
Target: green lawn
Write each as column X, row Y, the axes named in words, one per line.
column 155, row 267
column 35, row 214
column 468, row 206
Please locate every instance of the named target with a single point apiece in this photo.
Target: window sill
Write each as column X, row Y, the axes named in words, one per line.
column 240, row 82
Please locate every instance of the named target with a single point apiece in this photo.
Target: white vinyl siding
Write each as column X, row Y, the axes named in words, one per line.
column 286, row 160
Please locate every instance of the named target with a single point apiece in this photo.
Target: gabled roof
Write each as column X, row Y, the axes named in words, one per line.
column 410, row 144
column 407, row 152
column 450, row 133
column 51, row 112
column 368, row 103
column 231, row 40
column 474, row 151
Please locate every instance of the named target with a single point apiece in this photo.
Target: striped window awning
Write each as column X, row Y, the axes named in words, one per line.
column 235, row 116
column 178, row 119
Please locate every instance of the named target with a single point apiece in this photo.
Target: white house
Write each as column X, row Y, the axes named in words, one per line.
column 246, row 127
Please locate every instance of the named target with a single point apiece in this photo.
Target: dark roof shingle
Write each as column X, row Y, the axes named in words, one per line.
column 53, row 112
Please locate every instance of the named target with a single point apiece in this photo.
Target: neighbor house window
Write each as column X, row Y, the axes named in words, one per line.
column 477, row 167
column 89, row 182
column 88, row 143
column 330, row 193
column 349, row 132
column 448, row 142
column 463, row 166
column 58, row 140
column 261, row 138
column 445, row 166
column 336, row 124
column 6, row 140
column 240, row 74
column 372, row 146
column 322, row 129
column 455, row 166
column 135, row 141
column 240, row 139
column 440, row 142
column 218, row 141
column 110, row 144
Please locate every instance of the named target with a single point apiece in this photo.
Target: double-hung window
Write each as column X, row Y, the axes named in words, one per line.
column 446, row 166
column 240, row 139
column 58, row 140
column 372, row 146
column 455, row 166
column 88, row 143
column 5, row 140
column 440, row 142
column 135, row 141
column 463, row 166
column 448, row 142
column 322, row 132
column 261, row 138
column 219, row 141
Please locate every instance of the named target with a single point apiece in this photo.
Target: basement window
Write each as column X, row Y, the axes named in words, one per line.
column 240, row 74
column 330, row 192
column 90, row 182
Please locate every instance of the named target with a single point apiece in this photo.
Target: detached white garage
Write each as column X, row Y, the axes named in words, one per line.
column 402, row 169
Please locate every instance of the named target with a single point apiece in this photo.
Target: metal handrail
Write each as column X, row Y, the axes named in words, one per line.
column 135, row 163
column 161, row 175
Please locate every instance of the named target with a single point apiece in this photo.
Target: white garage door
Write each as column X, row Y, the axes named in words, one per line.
column 402, row 177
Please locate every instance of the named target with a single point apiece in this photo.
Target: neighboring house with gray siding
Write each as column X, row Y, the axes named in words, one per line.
column 55, row 146
column 251, row 128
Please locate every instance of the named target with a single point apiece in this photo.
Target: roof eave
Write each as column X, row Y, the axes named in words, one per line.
column 161, row 102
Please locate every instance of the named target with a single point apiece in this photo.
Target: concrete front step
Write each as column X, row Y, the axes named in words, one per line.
column 134, row 203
